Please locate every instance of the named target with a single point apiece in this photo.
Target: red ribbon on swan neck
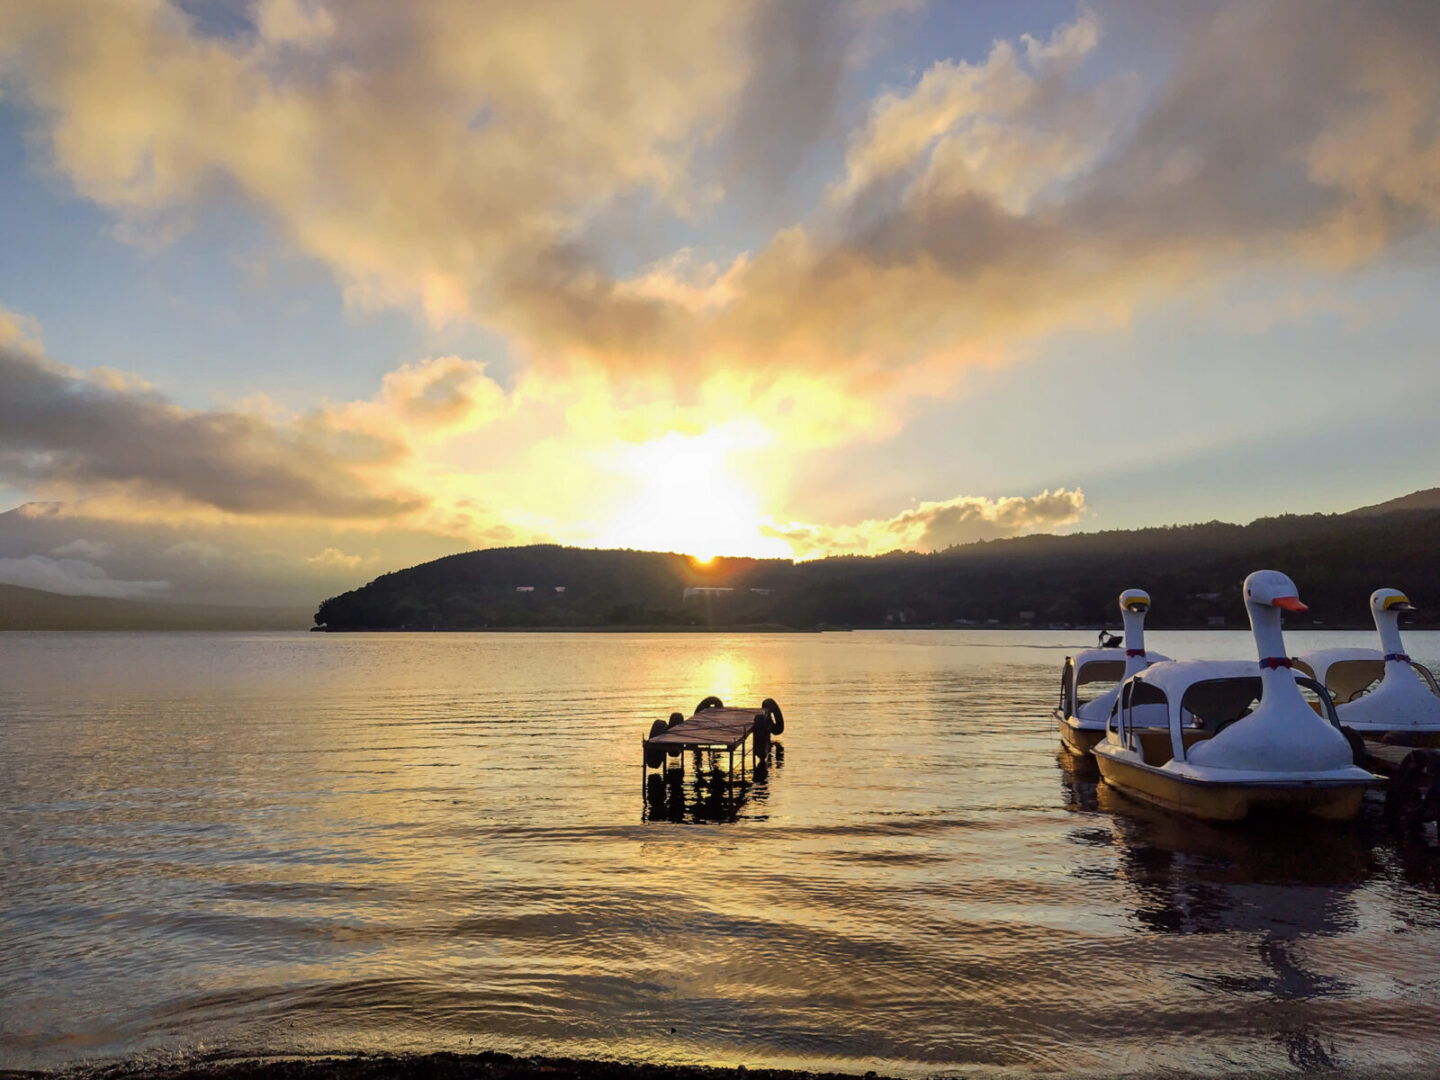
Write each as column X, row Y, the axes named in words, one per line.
column 1273, row 662
column 1134, row 652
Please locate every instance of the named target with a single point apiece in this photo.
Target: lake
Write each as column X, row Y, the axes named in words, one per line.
column 308, row 843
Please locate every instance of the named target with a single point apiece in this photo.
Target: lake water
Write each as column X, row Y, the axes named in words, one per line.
column 306, row 843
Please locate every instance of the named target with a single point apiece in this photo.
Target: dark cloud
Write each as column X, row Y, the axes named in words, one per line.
column 58, row 429
column 801, row 49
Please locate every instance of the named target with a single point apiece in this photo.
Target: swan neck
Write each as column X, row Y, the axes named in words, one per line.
column 1134, row 641
column 1265, row 625
column 1388, row 624
column 1275, row 682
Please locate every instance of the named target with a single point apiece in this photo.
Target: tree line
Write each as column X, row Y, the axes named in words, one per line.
column 1193, row 573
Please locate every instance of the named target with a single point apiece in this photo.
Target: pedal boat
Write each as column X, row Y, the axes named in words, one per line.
column 1082, row 720
column 1382, row 694
column 1218, row 739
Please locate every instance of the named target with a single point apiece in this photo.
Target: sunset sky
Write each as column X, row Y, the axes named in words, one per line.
column 293, row 293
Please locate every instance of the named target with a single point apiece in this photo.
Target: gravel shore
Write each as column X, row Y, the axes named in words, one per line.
column 483, row 1066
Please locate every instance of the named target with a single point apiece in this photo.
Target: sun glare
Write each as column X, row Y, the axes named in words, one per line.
column 687, row 498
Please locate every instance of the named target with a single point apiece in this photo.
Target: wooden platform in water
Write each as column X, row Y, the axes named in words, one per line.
column 1384, row 758
column 709, row 729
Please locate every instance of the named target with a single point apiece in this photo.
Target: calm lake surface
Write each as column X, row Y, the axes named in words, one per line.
column 304, row 843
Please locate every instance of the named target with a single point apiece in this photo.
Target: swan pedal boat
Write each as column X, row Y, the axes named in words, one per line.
column 1082, row 720
column 1218, row 739
column 1382, row 694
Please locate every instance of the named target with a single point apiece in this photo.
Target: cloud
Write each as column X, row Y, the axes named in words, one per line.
column 64, row 431
column 194, row 551
column 419, row 149
column 801, row 51
column 992, row 203
column 85, row 549
column 479, row 163
column 73, row 577
column 429, row 400
column 335, row 557
column 934, row 526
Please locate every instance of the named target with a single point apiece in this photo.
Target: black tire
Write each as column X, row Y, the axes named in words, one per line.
column 655, row 755
column 675, row 718
column 1358, row 753
column 777, row 718
column 762, row 729
column 711, row 702
column 1413, row 792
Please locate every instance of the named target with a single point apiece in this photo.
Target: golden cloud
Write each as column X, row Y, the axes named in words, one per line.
column 934, row 526
column 471, row 162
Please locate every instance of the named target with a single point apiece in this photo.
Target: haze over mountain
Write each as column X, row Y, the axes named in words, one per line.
column 33, row 609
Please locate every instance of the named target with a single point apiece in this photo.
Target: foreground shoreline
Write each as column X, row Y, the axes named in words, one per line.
column 485, row 1065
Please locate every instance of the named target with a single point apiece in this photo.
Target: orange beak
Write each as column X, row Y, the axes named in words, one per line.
column 1289, row 603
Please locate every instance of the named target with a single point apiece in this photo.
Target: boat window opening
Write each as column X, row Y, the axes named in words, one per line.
column 1303, row 667
column 1096, row 679
column 1145, row 706
column 1427, row 677
column 1318, row 698
column 1156, row 747
column 1211, row 704
column 1350, row 679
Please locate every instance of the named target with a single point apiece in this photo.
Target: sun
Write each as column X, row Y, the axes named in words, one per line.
column 687, row 498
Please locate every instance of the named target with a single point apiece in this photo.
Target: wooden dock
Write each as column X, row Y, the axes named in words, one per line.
column 1383, row 758
column 714, row 727
column 720, row 729
column 1412, row 782
column 710, row 731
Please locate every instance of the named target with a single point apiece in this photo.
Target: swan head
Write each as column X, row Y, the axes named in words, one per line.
column 1134, row 600
column 1272, row 589
column 1382, row 600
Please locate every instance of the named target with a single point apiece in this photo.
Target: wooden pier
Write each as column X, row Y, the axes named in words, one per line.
column 1383, row 758
column 1412, row 781
column 714, row 728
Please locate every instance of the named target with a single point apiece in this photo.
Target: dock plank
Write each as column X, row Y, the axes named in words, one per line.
column 710, row 727
column 1384, row 758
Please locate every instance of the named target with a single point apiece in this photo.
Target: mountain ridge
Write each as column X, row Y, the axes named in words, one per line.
column 1193, row 571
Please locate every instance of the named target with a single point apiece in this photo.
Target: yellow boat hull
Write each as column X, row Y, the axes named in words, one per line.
column 1218, row 801
column 1077, row 740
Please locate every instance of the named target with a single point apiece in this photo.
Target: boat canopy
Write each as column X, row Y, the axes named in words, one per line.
column 1099, row 665
column 1172, row 679
column 1344, row 672
column 1194, row 699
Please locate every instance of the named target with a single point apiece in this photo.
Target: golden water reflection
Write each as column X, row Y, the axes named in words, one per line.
column 398, row 842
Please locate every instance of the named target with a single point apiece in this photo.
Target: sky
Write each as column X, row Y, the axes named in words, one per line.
column 295, row 292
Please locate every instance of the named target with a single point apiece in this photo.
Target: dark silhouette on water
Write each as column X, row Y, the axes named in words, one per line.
column 707, row 793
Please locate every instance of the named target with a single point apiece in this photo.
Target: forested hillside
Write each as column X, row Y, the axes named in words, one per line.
column 1193, row 572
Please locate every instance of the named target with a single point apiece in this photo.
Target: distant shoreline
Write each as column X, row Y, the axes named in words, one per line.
column 776, row 628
